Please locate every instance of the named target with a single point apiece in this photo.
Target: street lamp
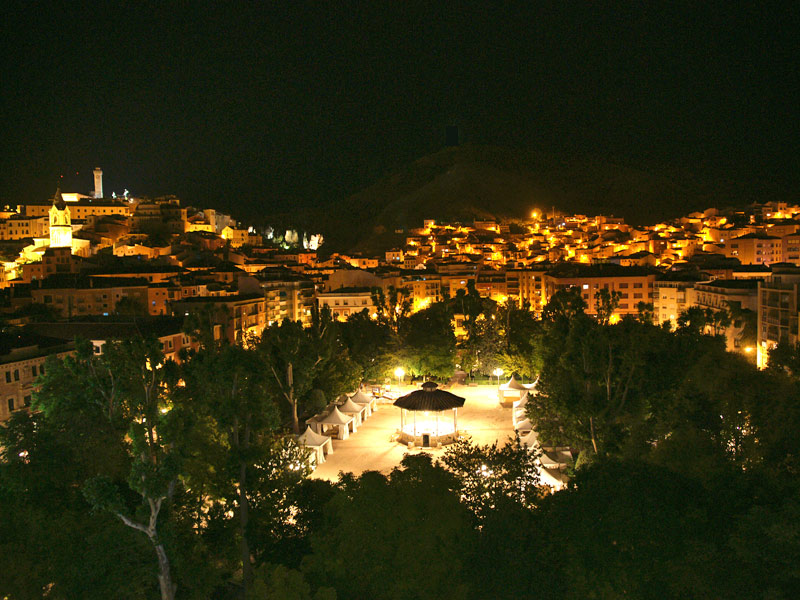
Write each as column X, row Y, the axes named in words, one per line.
column 498, row 372
column 399, row 372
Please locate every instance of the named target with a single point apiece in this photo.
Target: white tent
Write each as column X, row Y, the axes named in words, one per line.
column 511, row 391
column 522, row 402
column 360, row 397
column 524, row 426
column 555, row 459
column 513, row 384
column 530, row 440
column 553, row 478
column 518, row 409
column 316, row 442
column 341, row 421
column 357, row 410
column 315, row 423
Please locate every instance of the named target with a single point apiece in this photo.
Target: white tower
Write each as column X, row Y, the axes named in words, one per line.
column 98, row 182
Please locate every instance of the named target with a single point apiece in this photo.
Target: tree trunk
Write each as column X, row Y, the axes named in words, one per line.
column 295, row 420
column 164, row 576
column 594, row 439
column 244, row 519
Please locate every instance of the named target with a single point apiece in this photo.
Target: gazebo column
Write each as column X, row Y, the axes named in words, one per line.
column 455, row 421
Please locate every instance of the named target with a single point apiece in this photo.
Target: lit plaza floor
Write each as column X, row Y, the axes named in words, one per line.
column 371, row 448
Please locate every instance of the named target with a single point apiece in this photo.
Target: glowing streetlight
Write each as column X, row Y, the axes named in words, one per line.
column 399, row 372
column 498, row 372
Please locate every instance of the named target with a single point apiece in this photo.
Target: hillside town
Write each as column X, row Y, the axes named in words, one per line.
column 83, row 265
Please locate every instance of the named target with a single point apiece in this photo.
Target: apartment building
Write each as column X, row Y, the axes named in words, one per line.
column 754, row 248
column 346, row 301
column 526, row 286
column 233, row 318
column 80, row 210
column 22, row 360
column 635, row 284
column 19, row 227
column 778, row 308
column 76, row 295
column 732, row 296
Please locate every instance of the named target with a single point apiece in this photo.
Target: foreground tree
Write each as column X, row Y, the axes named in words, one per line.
column 493, row 476
column 134, row 387
column 390, row 519
column 228, row 385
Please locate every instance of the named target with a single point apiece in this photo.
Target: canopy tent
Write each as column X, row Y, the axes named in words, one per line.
column 315, row 423
column 511, row 391
column 426, row 431
column 342, row 422
column 553, row 478
column 316, row 442
column 518, row 409
column 522, row 402
column 360, row 397
column 514, row 384
column 357, row 410
column 524, row 426
column 555, row 459
column 530, row 440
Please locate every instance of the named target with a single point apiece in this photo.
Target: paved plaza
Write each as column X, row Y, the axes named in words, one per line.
column 371, row 448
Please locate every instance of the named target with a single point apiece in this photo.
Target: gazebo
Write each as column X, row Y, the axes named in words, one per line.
column 428, row 430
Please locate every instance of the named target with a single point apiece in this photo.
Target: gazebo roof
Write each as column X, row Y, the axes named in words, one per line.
column 429, row 398
column 335, row 417
column 311, row 438
column 360, row 398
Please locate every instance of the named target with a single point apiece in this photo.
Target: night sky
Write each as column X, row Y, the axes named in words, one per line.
column 255, row 109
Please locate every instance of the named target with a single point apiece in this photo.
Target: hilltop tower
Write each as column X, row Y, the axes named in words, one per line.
column 60, row 223
column 98, row 182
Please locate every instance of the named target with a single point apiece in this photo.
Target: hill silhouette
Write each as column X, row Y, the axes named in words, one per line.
column 468, row 182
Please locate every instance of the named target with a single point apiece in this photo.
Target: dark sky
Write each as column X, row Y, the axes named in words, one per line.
column 256, row 108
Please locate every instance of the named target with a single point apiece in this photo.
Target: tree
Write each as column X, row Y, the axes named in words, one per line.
column 389, row 519
column 563, row 305
column 427, row 341
column 301, row 360
column 134, row 386
column 229, row 385
column 492, row 476
column 371, row 344
column 393, row 305
column 606, row 302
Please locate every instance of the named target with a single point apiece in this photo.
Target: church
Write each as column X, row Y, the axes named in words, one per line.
column 60, row 235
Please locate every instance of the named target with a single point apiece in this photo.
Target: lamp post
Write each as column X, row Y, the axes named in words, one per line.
column 498, row 372
column 399, row 372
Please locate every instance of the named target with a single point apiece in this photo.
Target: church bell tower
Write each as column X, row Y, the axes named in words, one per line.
column 60, row 223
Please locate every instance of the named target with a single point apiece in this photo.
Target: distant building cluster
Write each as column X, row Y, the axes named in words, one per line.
column 83, row 265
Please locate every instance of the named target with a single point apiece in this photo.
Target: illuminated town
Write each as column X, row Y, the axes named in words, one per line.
column 382, row 301
column 85, row 256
